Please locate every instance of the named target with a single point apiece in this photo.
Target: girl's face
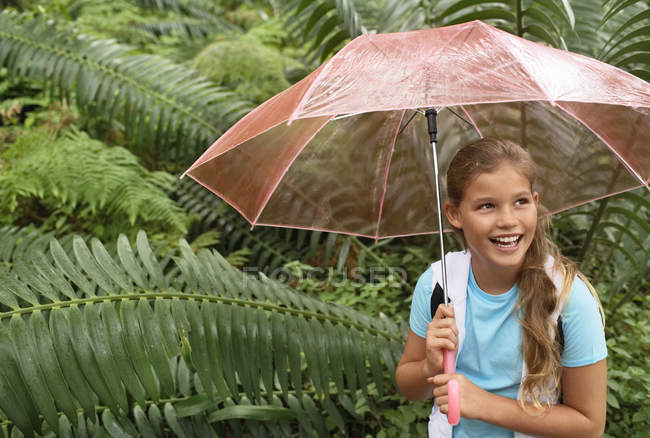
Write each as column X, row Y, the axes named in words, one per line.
column 498, row 216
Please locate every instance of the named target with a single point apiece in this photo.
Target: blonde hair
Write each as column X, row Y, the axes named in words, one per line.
column 537, row 297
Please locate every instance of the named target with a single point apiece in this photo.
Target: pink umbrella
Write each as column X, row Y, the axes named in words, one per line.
column 347, row 150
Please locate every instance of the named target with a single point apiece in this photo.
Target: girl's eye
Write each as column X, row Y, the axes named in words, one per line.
column 521, row 201
column 485, row 206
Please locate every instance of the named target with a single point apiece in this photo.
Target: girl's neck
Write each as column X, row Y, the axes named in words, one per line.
column 495, row 280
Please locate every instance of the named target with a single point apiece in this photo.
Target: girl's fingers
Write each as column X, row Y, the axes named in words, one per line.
column 444, row 311
column 448, row 323
column 440, row 344
column 441, row 380
column 442, row 402
column 444, row 333
column 439, row 391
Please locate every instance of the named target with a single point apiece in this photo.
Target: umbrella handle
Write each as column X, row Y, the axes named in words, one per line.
column 453, row 392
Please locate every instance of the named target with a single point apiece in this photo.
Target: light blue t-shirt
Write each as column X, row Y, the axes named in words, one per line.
column 491, row 354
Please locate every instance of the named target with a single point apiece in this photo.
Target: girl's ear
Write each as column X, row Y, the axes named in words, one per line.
column 536, row 199
column 453, row 215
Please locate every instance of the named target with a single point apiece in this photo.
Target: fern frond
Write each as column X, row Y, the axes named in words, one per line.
column 326, row 24
column 545, row 20
column 192, row 18
column 628, row 46
column 115, row 334
column 89, row 180
column 163, row 106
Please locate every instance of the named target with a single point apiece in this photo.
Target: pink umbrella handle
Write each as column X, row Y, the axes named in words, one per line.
column 453, row 392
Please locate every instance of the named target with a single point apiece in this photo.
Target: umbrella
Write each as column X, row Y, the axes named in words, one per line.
column 347, row 150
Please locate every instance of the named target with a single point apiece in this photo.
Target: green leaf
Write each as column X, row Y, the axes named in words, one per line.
column 108, row 265
column 50, row 366
column 88, row 263
column 155, row 348
column 173, row 421
column 193, row 405
column 612, row 400
column 132, row 267
column 280, row 352
column 149, row 261
column 14, row 396
column 484, row 15
column 59, row 329
column 197, row 338
column 115, row 336
column 462, row 4
column 25, row 351
column 133, row 340
column 142, row 423
column 11, row 284
column 259, row 413
column 224, row 329
column 69, row 269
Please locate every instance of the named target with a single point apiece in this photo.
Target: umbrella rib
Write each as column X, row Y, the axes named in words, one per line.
column 614, row 151
column 390, row 159
column 473, row 123
column 286, row 169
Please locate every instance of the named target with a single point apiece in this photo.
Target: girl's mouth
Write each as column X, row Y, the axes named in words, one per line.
column 506, row 241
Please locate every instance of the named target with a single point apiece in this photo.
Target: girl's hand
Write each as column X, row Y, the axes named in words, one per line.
column 441, row 334
column 472, row 397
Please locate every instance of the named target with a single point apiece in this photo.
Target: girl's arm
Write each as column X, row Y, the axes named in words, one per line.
column 422, row 358
column 582, row 414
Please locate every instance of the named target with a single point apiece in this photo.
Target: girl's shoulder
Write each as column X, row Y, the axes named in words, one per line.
column 579, row 297
column 583, row 327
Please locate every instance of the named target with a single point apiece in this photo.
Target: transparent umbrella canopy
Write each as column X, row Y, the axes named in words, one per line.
column 347, row 149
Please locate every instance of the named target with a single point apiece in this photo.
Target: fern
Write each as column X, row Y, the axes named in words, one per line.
column 104, row 188
column 139, row 349
column 326, row 24
column 163, row 107
column 547, row 20
column 628, row 46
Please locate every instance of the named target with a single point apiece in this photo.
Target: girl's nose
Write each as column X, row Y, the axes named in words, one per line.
column 507, row 218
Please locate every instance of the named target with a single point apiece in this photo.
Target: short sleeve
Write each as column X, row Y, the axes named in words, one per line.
column 420, row 305
column 584, row 334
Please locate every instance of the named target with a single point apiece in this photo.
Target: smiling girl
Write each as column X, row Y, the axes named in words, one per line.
column 526, row 326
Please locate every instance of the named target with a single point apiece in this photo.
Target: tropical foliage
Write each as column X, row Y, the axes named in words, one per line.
column 202, row 325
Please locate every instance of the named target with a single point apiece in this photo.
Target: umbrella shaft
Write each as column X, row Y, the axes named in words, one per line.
column 439, row 204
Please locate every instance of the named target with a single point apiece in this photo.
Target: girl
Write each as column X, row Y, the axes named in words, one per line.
column 509, row 288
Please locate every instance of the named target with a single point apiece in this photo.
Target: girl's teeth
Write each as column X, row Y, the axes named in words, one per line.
column 506, row 241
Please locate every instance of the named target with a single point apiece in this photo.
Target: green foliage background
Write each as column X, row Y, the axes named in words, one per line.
column 202, row 326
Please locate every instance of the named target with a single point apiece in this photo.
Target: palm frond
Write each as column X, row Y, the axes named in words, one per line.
column 325, row 24
column 163, row 106
column 628, row 47
column 99, row 185
column 112, row 335
column 193, row 18
column 545, row 20
column 586, row 37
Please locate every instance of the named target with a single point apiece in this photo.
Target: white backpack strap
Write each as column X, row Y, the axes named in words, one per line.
column 458, row 265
